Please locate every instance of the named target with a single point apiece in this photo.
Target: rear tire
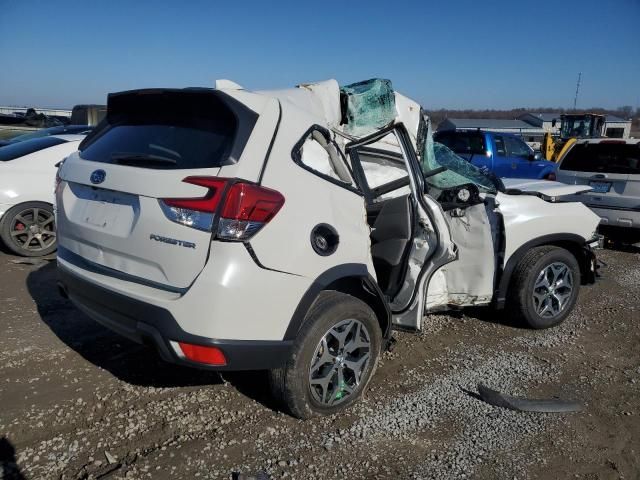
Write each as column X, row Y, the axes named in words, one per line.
column 29, row 229
column 544, row 287
column 333, row 358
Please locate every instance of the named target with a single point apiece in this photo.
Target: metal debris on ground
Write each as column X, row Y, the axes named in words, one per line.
column 497, row 399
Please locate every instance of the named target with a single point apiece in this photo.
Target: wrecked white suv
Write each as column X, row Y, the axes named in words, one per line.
column 293, row 230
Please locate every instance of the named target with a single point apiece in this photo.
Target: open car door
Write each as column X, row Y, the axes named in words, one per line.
column 434, row 229
column 406, row 233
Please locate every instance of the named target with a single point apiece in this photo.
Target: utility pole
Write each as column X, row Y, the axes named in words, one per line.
column 575, row 100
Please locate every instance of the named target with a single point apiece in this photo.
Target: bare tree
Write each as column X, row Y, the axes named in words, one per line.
column 626, row 111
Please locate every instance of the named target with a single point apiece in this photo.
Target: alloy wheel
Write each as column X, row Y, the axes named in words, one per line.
column 33, row 229
column 339, row 362
column 552, row 290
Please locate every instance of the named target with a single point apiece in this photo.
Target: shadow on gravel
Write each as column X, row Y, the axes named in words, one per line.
column 8, row 464
column 133, row 363
column 5, row 250
column 488, row 315
column 622, row 247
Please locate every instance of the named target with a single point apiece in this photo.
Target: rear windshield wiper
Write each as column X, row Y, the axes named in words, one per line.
column 142, row 158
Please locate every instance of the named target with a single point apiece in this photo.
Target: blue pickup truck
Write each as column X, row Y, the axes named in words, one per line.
column 505, row 154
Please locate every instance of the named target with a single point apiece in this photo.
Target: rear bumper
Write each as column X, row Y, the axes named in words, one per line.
column 150, row 324
column 615, row 217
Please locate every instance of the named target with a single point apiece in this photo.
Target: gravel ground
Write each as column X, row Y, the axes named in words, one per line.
column 77, row 401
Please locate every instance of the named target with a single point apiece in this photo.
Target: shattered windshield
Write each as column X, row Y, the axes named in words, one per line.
column 458, row 170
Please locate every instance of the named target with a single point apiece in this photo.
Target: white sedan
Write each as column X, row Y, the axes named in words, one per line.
column 27, row 175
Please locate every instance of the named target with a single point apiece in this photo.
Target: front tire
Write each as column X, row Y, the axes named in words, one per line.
column 333, row 359
column 544, row 287
column 29, row 229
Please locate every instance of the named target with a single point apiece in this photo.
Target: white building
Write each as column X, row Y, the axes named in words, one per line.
column 614, row 127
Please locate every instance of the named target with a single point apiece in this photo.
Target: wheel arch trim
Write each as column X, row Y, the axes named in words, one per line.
column 352, row 279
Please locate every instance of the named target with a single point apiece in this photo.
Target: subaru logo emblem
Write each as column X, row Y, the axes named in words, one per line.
column 98, row 176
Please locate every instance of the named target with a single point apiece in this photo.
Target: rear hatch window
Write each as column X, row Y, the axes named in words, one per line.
column 165, row 130
column 603, row 158
column 27, row 147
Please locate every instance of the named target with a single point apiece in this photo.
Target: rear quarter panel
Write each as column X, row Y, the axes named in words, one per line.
column 285, row 243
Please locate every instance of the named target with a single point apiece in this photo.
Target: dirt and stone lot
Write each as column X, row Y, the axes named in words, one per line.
column 77, row 401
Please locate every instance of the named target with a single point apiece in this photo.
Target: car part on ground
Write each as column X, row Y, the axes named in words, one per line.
column 551, row 405
column 33, row 261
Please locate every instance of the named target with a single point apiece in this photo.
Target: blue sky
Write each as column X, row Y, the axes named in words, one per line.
column 452, row 54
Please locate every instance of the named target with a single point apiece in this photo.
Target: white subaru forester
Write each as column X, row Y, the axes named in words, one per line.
column 292, row 230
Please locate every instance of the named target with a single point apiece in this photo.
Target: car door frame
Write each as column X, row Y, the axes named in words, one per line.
column 410, row 315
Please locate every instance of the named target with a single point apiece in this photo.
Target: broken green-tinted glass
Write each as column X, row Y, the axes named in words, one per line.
column 370, row 105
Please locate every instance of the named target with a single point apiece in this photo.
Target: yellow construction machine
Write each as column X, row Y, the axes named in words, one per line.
column 573, row 126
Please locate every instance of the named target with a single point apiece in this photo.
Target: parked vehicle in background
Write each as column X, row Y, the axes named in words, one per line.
column 27, row 175
column 89, row 114
column 291, row 230
column 612, row 169
column 573, row 126
column 45, row 132
column 504, row 154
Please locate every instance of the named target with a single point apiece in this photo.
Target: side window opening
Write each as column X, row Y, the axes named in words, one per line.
column 384, row 169
column 322, row 157
column 516, row 147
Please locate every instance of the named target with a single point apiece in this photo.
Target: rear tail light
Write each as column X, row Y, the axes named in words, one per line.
column 243, row 208
column 246, row 210
column 203, row 354
column 196, row 212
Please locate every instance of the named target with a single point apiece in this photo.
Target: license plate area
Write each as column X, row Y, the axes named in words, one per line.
column 105, row 210
column 600, row 187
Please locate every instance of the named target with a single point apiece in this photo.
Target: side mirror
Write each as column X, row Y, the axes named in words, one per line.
column 533, row 157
